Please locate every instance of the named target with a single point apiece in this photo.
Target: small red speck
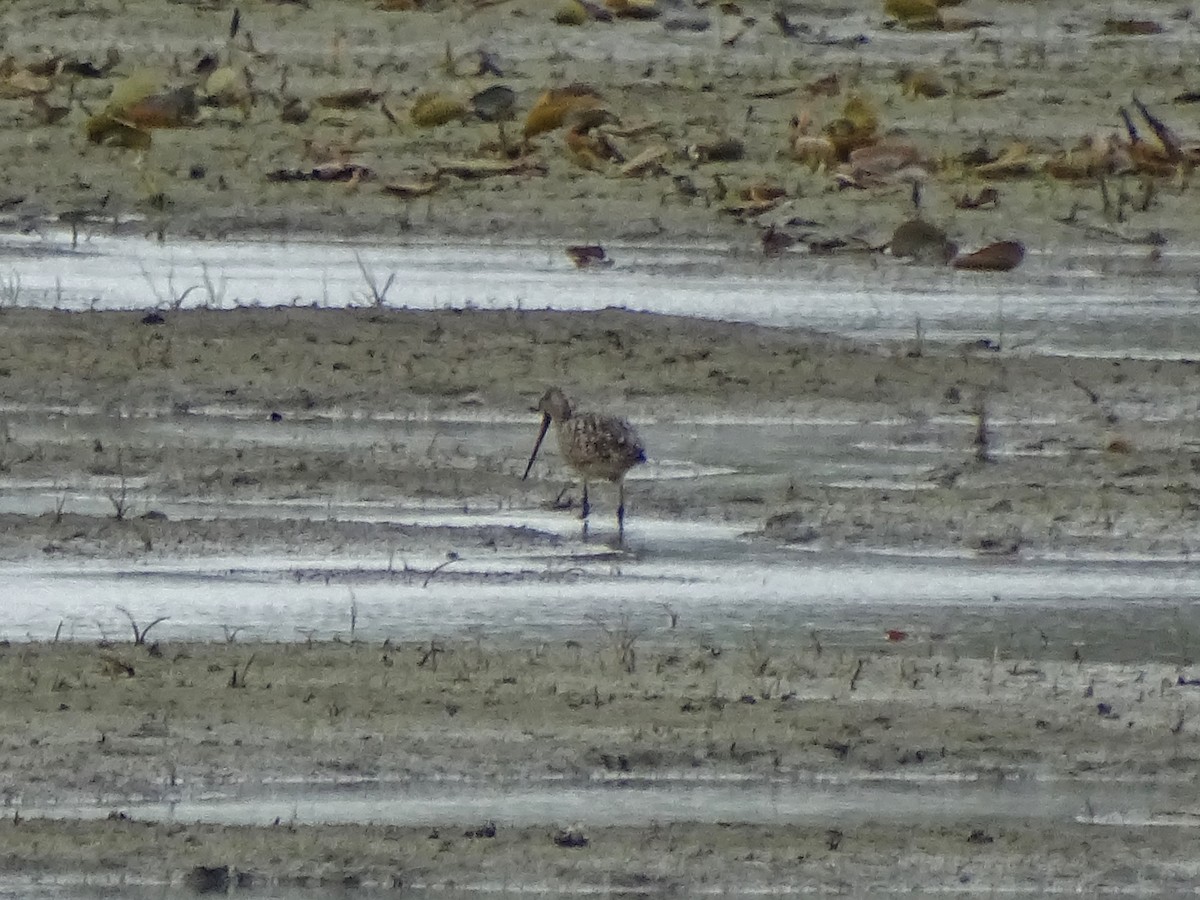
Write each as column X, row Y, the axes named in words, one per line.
column 893, row 634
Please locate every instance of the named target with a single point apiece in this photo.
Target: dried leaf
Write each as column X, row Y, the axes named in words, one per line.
column 921, row 83
column 1001, row 256
column 103, row 129
column 855, row 128
column 918, row 15
column 634, row 9
column 133, row 89
column 170, row 109
column 471, row 169
column 23, row 83
column 648, row 162
column 829, row 86
column 589, row 256
column 571, row 12
column 409, row 190
column 773, row 91
column 227, row 87
column 816, row 152
column 763, row 192
column 294, row 111
column 989, row 197
column 774, row 242
column 860, row 111
column 721, row 149
column 1013, row 162
column 354, row 98
column 552, row 108
column 348, row 172
column 750, row 208
column 1122, row 27
column 431, row 110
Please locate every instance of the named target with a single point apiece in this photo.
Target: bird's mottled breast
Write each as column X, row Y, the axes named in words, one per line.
column 600, row 446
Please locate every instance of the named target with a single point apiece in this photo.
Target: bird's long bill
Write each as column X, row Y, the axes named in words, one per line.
column 537, row 444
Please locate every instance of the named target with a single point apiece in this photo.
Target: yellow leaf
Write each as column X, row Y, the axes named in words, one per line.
column 915, row 14
column 105, row 130
column 134, row 89
column 553, row 107
column 429, row 110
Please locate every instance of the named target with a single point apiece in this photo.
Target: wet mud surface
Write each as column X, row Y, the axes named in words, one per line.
column 111, row 726
column 822, row 584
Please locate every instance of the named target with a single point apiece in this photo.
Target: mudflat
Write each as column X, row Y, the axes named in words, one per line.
column 1033, row 455
column 707, row 95
column 105, row 725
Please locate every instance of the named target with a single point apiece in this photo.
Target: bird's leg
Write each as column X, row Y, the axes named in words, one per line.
column 621, row 509
column 586, row 510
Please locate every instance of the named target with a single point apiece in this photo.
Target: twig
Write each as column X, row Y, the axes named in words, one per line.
column 378, row 295
column 139, row 634
column 238, row 680
column 450, row 557
column 856, row 674
column 982, row 440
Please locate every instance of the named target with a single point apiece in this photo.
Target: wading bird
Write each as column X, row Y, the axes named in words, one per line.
column 595, row 445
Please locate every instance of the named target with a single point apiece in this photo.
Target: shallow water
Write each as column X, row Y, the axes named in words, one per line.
column 1095, row 301
column 642, row 802
column 719, row 584
column 718, row 587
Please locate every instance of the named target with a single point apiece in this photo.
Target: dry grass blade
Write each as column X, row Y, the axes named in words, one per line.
column 139, row 634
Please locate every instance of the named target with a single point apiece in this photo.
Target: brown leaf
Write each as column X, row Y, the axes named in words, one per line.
column 722, row 149
column 989, row 197
column 1119, row 27
column 1001, row 256
column 648, row 162
column 354, row 98
column 920, row 83
column 471, row 169
column 169, row 109
column 552, row 107
column 408, row 190
column 23, row 83
column 107, row 131
column 589, row 256
column 350, row 172
column 1014, row 161
column 917, row 15
column 828, row 86
column 634, row 9
column 294, row 111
